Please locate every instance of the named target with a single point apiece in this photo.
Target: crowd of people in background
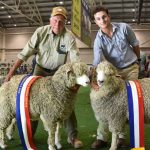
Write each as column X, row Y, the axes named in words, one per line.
column 147, row 67
column 23, row 69
column 28, row 68
column 144, row 65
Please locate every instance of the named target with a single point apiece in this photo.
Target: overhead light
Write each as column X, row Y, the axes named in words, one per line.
column 61, row 2
column 2, row 7
column 68, row 22
column 133, row 20
column 15, row 25
column 133, row 10
column 9, row 16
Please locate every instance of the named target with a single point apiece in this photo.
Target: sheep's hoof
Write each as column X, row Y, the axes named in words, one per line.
column 3, row 146
column 59, row 146
column 50, row 147
column 113, row 149
column 10, row 137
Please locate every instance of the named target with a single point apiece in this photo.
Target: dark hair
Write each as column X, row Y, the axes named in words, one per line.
column 98, row 9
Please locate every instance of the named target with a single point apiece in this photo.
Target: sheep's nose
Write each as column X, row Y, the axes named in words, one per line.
column 100, row 81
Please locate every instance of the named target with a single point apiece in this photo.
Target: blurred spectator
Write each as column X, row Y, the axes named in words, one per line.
column 142, row 64
column 147, row 67
column 33, row 64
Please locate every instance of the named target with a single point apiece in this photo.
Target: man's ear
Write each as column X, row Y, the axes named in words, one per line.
column 50, row 20
column 95, row 21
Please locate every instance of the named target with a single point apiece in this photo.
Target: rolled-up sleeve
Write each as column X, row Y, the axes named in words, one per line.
column 131, row 36
column 30, row 47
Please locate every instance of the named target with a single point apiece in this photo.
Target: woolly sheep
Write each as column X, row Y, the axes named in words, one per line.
column 110, row 104
column 51, row 100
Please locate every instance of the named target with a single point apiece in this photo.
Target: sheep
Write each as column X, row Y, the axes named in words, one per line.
column 10, row 129
column 110, row 104
column 51, row 100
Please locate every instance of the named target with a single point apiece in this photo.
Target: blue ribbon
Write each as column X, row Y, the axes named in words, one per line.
column 131, row 114
column 18, row 118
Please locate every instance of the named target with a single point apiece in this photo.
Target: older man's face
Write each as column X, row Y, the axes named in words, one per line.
column 57, row 23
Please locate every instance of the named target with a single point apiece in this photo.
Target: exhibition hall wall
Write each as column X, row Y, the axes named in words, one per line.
column 14, row 39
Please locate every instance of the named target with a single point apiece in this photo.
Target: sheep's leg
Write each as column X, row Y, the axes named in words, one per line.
column 10, row 129
column 57, row 136
column 51, row 136
column 50, row 128
column 2, row 139
column 114, row 142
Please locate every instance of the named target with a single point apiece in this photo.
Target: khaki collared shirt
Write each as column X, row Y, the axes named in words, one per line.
column 51, row 49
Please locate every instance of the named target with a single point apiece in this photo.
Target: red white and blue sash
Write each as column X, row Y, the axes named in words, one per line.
column 22, row 112
column 136, row 115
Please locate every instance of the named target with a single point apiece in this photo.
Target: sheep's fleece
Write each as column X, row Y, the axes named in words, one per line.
column 110, row 104
column 50, row 99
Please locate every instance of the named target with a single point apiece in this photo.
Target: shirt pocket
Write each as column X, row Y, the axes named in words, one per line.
column 62, row 49
column 61, row 58
column 122, row 44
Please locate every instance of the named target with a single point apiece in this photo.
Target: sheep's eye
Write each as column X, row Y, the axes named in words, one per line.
column 80, row 74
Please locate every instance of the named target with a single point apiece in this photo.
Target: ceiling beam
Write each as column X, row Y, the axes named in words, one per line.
column 18, row 11
column 40, row 18
column 34, row 10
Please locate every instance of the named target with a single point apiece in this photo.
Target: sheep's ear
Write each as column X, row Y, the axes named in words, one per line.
column 110, row 71
column 71, row 81
column 68, row 72
column 117, row 75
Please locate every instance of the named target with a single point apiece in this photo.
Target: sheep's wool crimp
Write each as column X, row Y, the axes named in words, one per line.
column 136, row 115
column 22, row 112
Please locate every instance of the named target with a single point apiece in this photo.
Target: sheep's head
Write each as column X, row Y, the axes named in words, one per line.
column 105, row 71
column 80, row 70
column 72, row 74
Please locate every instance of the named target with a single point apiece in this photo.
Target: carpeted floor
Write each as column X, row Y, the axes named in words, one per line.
column 86, row 125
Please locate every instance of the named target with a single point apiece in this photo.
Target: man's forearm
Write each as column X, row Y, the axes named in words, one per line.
column 137, row 51
column 15, row 66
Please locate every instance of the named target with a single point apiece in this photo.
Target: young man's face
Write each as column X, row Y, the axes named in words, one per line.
column 102, row 19
column 57, row 23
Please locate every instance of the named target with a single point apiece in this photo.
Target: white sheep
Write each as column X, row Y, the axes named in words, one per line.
column 110, row 103
column 51, row 100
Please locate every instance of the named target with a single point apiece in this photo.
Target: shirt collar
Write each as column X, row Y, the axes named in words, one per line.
column 114, row 26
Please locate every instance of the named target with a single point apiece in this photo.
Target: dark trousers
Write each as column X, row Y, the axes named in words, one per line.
column 71, row 122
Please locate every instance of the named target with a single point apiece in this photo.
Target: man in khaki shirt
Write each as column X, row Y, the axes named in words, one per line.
column 51, row 44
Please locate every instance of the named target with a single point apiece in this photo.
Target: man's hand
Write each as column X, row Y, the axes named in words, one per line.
column 75, row 88
column 13, row 69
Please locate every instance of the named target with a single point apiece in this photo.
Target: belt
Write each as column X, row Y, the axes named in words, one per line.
column 49, row 70
column 130, row 65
